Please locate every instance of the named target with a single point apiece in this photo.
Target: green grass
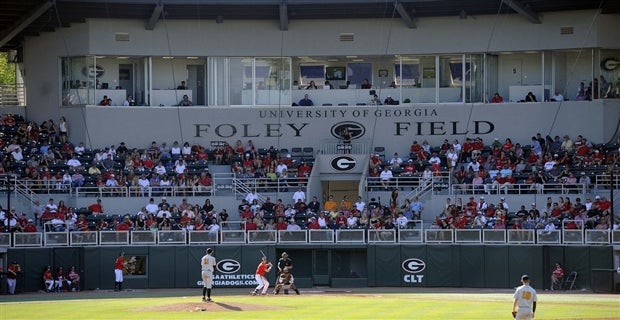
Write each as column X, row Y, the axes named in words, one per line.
column 359, row 304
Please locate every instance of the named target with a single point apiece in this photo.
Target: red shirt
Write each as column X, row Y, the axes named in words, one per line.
column 261, row 269
column 250, row 226
column 96, row 208
column 118, row 264
column 122, row 227
column 205, row 181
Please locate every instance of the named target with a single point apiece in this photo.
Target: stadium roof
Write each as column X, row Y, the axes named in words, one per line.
column 22, row 18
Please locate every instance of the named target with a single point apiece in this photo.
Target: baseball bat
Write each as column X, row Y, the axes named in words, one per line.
column 261, row 251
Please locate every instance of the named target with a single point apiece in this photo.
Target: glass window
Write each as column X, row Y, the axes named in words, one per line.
column 273, row 78
column 451, row 77
column 407, row 73
column 473, row 78
column 312, row 73
column 240, row 83
column 79, row 78
column 358, row 72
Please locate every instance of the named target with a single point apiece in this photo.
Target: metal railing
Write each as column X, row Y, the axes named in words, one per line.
column 30, row 189
column 520, row 188
column 238, row 236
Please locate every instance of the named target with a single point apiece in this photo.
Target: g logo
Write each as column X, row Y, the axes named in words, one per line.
column 413, row 265
column 96, row 71
column 356, row 130
column 343, row 163
column 228, row 266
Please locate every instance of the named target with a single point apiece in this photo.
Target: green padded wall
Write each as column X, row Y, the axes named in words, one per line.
column 496, row 267
column 478, row 266
column 472, row 259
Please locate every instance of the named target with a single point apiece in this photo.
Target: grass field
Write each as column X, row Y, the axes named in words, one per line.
column 359, row 303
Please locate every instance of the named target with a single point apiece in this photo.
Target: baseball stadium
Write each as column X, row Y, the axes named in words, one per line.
column 352, row 159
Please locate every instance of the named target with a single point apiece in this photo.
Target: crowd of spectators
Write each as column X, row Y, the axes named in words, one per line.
column 476, row 167
column 561, row 213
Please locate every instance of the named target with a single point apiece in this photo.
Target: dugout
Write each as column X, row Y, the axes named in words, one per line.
column 375, row 265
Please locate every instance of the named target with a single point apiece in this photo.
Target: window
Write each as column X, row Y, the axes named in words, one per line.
column 314, row 73
column 357, row 72
column 409, row 75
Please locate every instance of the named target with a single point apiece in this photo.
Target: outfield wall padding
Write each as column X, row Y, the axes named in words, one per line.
column 474, row 266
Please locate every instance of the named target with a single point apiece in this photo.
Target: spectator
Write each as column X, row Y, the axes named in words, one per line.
column 556, row 276
column 366, row 84
column 330, row 205
column 417, row 207
column 96, row 208
column 497, row 98
column 396, row 161
column 105, row 101
column 74, row 278
column 530, row 97
column 557, row 96
column 386, row 176
column 182, row 86
column 389, row 101
column 306, row 102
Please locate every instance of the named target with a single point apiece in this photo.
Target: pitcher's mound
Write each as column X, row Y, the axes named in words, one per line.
column 207, row 307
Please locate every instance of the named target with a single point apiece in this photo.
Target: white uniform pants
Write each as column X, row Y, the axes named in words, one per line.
column 207, row 280
column 118, row 275
column 263, row 284
column 524, row 314
column 12, row 283
column 49, row 284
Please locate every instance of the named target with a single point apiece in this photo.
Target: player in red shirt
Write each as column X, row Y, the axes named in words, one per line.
column 118, row 271
column 263, row 267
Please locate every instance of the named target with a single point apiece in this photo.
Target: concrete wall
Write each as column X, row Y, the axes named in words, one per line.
column 391, row 127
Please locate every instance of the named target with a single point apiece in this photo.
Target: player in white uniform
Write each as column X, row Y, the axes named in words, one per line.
column 525, row 300
column 208, row 264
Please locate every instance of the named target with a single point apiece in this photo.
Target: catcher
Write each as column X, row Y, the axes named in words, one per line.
column 286, row 282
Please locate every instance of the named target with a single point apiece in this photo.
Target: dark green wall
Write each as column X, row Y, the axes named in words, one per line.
column 475, row 266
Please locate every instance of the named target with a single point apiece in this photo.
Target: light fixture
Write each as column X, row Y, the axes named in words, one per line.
column 167, row 58
column 191, row 58
column 122, row 58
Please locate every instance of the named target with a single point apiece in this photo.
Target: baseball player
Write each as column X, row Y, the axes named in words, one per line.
column 208, row 263
column 118, row 271
column 263, row 267
column 525, row 300
column 286, row 281
column 11, row 276
column 284, row 262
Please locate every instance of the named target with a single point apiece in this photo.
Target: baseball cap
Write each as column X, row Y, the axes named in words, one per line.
column 597, row 197
column 482, row 198
column 525, row 277
column 533, row 204
column 502, row 198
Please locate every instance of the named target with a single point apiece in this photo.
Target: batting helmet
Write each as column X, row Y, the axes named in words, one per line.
column 284, row 254
column 209, row 250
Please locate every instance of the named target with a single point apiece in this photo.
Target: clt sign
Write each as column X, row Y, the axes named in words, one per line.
column 413, row 266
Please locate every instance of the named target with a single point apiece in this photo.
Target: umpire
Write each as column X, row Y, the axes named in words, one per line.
column 284, row 262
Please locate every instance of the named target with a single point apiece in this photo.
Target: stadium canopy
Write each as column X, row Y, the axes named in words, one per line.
column 24, row 18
